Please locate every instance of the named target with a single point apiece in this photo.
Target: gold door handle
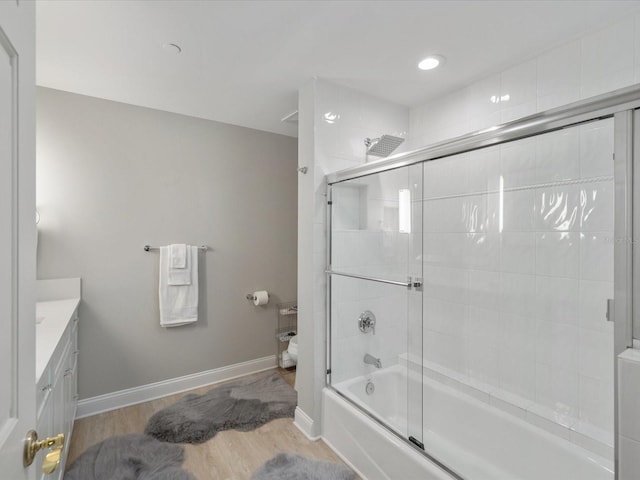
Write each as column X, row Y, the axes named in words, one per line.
column 32, row 445
column 51, row 461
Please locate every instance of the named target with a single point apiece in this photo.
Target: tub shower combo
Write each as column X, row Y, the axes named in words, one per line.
column 470, row 285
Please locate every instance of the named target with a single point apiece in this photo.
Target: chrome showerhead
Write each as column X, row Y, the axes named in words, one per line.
column 383, row 146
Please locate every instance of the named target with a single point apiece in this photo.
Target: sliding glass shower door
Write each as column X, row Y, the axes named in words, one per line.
column 518, row 267
column 375, row 287
column 468, row 304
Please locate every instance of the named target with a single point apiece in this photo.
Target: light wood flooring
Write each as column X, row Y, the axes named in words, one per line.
column 230, row 455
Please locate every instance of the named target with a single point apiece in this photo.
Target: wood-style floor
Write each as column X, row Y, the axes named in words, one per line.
column 230, row 455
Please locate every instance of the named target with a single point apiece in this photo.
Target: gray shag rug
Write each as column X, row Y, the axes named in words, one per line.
column 241, row 405
column 290, row 466
column 130, row 457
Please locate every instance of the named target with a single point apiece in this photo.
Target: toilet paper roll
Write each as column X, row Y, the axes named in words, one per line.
column 261, row 297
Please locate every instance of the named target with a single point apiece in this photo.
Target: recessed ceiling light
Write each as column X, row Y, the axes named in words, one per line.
column 172, row 48
column 431, row 62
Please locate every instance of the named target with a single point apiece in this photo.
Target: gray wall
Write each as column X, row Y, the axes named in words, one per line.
column 111, row 178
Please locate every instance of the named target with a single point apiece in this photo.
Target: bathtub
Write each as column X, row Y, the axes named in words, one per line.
column 463, row 433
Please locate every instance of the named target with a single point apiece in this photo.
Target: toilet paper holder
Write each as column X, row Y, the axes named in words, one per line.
column 253, row 297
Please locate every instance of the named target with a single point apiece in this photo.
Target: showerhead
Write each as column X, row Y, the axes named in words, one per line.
column 383, row 146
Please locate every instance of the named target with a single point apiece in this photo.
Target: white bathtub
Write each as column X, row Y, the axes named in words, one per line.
column 476, row 440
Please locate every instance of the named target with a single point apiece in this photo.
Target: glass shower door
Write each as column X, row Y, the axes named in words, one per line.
column 376, row 308
column 518, row 267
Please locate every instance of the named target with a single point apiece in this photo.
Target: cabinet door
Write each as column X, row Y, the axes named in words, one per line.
column 70, row 382
column 58, row 418
column 44, row 429
column 59, row 399
column 71, row 379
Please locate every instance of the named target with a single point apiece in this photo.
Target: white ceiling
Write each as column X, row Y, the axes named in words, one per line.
column 242, row 62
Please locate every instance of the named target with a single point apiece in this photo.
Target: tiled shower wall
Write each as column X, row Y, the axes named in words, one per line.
column 598, row 63
column 339, row 119
column 366, row 241
column 561, row 357
column 344, row 118
column 518, row 256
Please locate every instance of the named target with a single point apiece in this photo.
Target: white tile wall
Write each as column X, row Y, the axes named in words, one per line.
column 561, row 236
column 607, row 60
column 334, row 122
column 526, row 272
column 559, row 76
column 519, row 83
column 557, row 156
column 351, row 297
column 596, row 64
column 364, row 240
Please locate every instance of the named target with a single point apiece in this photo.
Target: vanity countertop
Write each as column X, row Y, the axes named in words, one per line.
column 56, row 316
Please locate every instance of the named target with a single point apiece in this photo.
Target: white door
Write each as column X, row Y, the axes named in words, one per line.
column 17, row 234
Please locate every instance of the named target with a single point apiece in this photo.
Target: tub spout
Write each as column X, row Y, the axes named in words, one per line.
column 371, row 360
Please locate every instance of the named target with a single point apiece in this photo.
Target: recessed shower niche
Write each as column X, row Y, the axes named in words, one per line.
column 351, row 202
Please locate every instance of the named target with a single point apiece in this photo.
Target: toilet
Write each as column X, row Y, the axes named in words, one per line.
column 293, row 348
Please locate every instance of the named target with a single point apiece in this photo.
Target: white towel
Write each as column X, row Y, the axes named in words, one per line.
column 178, row 303
column 178, row 255
column 179, row 265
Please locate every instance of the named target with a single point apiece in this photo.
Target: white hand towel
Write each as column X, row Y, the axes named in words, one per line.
column 178, row 303
column 180, row 275
column 178, row 255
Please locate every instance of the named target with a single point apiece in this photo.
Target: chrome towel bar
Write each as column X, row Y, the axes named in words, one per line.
column 148, row 248
column 408, row 284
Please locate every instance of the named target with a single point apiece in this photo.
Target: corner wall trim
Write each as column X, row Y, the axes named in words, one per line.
column 304, row 424
column 151, row 391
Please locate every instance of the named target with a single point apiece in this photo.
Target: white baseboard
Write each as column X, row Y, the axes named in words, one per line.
column 304, row 424
column 144, row 393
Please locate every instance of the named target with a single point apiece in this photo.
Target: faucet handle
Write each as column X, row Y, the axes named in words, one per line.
column 367, row 322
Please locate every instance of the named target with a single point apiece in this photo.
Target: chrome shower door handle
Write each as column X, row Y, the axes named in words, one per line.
column 367, row 322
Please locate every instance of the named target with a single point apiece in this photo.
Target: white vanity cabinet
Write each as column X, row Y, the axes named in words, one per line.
column 56, row 375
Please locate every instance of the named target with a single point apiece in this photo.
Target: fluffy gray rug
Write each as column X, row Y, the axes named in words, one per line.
column 289, row 466
column 241, row 405
column 130, row 457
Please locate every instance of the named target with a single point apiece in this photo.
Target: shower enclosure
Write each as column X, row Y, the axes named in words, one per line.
column 470, row 288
